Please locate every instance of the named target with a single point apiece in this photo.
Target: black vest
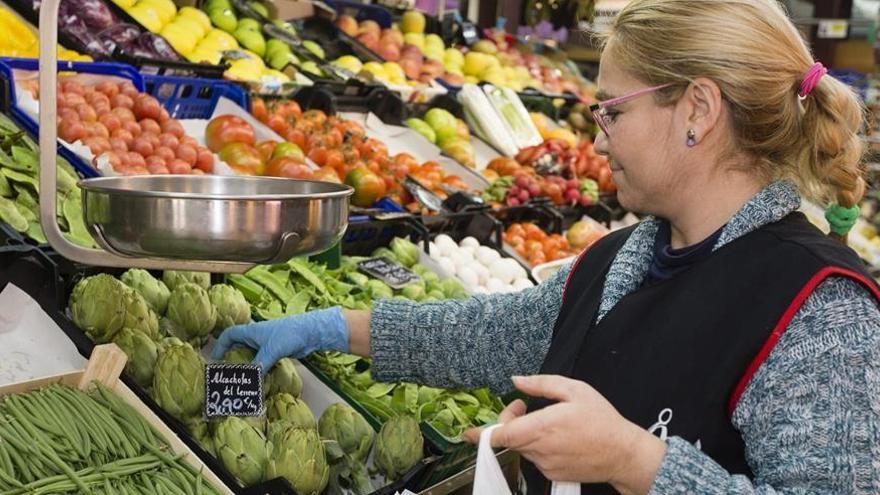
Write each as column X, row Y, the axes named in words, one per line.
column 674, row 356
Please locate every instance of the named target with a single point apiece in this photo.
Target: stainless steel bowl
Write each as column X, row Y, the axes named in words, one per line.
column 245, row 219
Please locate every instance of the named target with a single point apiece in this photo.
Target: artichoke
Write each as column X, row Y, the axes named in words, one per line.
column 167, row 342
column 154, row 291
column 242, row 449
column 285, row 407
column 179, row 381
column 240, row 355
column 399, row 446
column 198, row 428
column 139, row 315
column 142, row 353
column 299, row 456
column 232, row 307
column 349, row 429
column 191, row 310
column 97, row 306
column 174, row 278
column 283, row 377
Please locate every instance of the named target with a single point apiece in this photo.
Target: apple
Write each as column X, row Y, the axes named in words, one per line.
column 392, row 36
column 389, row 51
column 369, row 40
column 413, row 22
column 370, row 26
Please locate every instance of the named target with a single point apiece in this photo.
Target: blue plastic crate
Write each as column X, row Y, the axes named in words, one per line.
column 191, row 98
column 7, row 65
column 362, row 12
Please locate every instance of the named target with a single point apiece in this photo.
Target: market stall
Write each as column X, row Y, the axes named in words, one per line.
column 187, row 168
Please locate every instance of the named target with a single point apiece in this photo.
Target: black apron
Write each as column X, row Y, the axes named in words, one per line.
column 674, row 356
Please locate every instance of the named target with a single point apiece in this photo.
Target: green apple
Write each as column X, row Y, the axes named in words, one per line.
column 248, row 24
column 252, row 40
column 259, row 8
column 314, row 48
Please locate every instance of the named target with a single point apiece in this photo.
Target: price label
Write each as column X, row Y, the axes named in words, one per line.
column 393, row 274
column 833, row 29
column 233, row 390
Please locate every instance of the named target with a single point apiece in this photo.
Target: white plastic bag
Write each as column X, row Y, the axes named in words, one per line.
column 489, row 480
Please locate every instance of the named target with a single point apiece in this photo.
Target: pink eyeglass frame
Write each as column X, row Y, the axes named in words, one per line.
column 599, row 110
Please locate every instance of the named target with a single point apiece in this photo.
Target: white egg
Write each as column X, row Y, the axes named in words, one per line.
column 462, row 257
column 445, row 242
column 482, row 272
column 522, row 284
column 469, row 242
column 433, row 250
column 495, row 285
column 467, row 277
column 468, row 249
column 479, row 290
column 502, row 270
column 486, row 255
column 446, row 265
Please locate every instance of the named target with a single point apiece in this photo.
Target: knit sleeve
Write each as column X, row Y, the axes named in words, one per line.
column 810, row 417
column 477, row 342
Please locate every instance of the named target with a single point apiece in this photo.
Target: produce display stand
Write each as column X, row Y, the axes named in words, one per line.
column 105, row 367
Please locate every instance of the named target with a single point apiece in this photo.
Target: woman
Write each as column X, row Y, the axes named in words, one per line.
column 725, row 324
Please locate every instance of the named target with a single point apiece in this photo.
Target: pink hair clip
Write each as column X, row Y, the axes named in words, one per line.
column 811, row 79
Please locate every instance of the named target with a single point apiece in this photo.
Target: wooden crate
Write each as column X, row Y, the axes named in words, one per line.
column 105, row 366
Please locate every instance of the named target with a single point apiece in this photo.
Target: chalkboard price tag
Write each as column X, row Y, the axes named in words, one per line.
column 233, row 390
column 393, row 274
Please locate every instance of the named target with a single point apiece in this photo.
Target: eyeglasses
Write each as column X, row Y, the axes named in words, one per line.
column 600, row 110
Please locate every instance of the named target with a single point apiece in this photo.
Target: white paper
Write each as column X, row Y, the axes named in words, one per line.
column 31, row 344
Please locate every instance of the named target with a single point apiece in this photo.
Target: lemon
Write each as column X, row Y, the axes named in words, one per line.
column 196, row 15
column 199, row 55
column 147, row 16
column 182, row 40
column 164, row 8
column 221, row 39
column 189, row 25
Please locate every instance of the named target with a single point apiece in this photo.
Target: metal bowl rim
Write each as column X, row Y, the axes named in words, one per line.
column 95, row 185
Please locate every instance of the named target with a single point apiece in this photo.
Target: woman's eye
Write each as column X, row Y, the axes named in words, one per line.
column 611, row 116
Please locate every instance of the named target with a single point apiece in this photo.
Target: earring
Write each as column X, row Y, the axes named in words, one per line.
column 692, row 138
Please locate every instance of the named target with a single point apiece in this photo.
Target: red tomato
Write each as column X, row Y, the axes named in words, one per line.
column 228, row 129
column 243, row 158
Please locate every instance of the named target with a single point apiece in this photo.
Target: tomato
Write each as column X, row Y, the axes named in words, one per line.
column 537, row 258
column 368, row 187
column 327, row 174
column 228, row 129
column 243, row 158
column 314, row 116
column 373, row 148
column 266, row 148
column 258, row 109
column 205, row 160
column 286, row 166
column 350, row 155
column 277, row 124
column 289, row 149
column 533, row 232
column 335, row 159
column 150, row 125
column 147, row 107
column 333, row 138
column 187, row 153
column 319, row 156
column 173, row 127
column 298, row 138
column 289, row 109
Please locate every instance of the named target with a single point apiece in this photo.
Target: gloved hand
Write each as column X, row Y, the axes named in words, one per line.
column 294, row 336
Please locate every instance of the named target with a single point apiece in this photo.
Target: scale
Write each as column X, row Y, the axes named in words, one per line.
column 183, row 222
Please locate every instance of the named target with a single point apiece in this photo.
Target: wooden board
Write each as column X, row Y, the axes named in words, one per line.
column 106, row 366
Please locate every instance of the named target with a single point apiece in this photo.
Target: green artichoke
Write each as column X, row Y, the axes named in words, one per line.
column 174, row 278
column 285, row 407
column 154, row 291
column 399, row 446
column 142, row 353
column 283, row 377
column 299, row 457
column 348, row 428
column 198, row 428
column 240, row 355
column 191, row 310
column 242, row 449
column 169, row 342
column 97, row 306
column 139, row 315
column 232, row 307
column 179, row 381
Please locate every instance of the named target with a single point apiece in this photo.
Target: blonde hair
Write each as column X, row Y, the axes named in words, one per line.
column 758, row 59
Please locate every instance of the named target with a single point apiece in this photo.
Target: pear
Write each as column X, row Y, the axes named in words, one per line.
column 224, row 19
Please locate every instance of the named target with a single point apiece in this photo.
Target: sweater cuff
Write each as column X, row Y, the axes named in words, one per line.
column 685, row 469
column 392, row 340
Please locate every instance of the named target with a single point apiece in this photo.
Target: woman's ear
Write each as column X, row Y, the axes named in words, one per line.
column 703, row 107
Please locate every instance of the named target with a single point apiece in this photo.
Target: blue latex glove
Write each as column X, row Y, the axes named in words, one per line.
column 294, row 336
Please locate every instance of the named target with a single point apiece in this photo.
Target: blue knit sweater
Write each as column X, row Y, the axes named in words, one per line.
column 810, row 417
